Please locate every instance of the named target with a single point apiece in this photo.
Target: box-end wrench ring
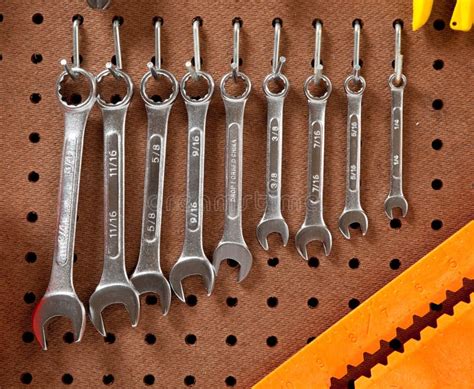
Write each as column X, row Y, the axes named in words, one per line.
column 193, row 260
column 314, row 227
column 148, row 276
column 60, row 298
column 232, row 245
column 114, row 286
column 272, row 220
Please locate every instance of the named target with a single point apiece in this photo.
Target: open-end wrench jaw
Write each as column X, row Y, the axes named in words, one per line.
column 156, row 283
column 192, row 266
column 239, row 252
column 393, row 202
column 352, row 216
column 270, row 226
column 310, row 233
column 116, row 293
column 55, row 305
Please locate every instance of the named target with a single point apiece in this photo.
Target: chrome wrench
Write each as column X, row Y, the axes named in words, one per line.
column 193, row 260
column 114, row 286
column 148, row 276
column 60, row 298
column 353, row 212
column 232, row 245
column 272, row 219
column 314, row 227
column 395, row 198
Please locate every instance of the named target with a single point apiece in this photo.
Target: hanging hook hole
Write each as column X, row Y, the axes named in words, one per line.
column 118, row 19
column 199, row 19
column 361, row 63
column 312, row 62
column 78, row 17
column 193, row 62
column 357, row 21
column 277, row 20
column 158, row 19
column 153, row 60
column 316, row 21
column 239, row 20
column 241, row 61
column 398, row 21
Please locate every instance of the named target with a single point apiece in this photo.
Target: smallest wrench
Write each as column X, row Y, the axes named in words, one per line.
column 395, row 198
column 314, row 227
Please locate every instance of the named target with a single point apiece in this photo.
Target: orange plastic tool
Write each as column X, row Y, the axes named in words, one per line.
column 442, row 358
column 378, row 317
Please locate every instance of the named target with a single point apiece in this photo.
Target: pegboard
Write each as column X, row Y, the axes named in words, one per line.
column 242, row 331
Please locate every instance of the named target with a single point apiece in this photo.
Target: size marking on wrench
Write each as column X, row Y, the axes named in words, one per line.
column 114, row 286
column 395, row 198
column 192, row 260
column 232, row 245
column 353, row 212
column 314, row 227
column 148, row 276
column 60, row 298
column 272, row 220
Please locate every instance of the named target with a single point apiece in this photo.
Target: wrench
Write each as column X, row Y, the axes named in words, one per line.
column 395, row 198
column 114, row 286
column 272, row 219
column 148, row 276
column 60, row 298
column 314, row 227
column 232, row 244
column 192, row 260
column 353, row 212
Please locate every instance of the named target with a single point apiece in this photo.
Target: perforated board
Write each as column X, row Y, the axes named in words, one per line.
column 437, row 145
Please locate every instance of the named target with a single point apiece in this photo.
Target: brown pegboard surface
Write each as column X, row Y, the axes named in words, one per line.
column 26, row 248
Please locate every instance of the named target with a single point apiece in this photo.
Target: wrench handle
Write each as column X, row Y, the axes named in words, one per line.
column 354, row 135
column 316, row 134
column 274, row 154
column 61, row 274
column 114, row 192
column 397, row 139
column 233, row 163
column 149, row 259
column 197, row 112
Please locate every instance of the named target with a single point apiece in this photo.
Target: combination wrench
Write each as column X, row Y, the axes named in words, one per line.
column 60, row 298
column 397, row 82
column 193, row 260
column 114, row 286
column 148, row 277
column 314, row 227
column 354, row 85
column 232, row 245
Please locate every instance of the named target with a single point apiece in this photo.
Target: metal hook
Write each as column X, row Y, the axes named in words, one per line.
column 318, row 67
column 75, row 51
column 155, row 68
column 355, row 61
column 118, row 51
column 196, row 69
column 398, row 53
column 236, row 59
column 278, row 61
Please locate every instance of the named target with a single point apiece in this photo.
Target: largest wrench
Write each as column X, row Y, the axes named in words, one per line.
column 60, row 298
column 192, row 260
